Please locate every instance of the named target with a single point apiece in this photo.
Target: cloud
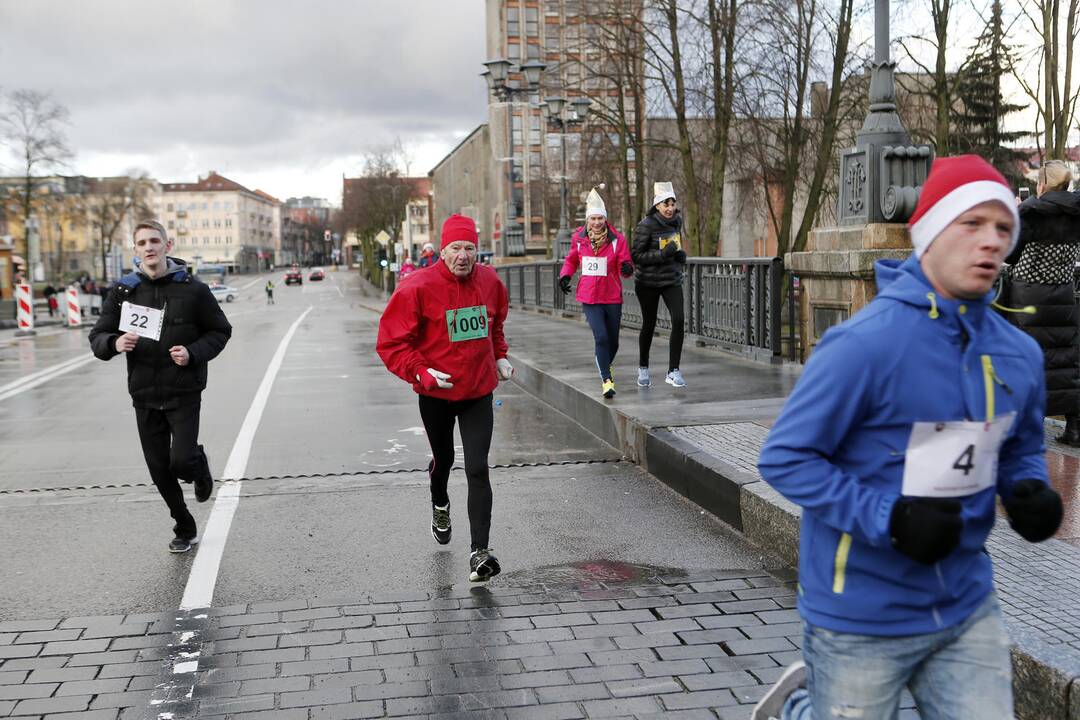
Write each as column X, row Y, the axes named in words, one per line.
column 182, row 87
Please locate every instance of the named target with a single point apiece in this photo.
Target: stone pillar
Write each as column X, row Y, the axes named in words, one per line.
column 836, row 273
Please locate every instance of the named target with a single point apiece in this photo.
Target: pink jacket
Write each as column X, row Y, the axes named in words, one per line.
column 598, row 289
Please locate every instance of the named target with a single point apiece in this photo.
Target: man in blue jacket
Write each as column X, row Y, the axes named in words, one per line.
column 908, row 421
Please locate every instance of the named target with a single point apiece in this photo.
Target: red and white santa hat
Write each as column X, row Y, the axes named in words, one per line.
column 954, row 186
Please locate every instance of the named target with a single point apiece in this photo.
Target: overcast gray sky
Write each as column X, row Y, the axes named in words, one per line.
column 281, row 95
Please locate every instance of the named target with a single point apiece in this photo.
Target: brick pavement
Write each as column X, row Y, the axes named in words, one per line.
column 637, row 644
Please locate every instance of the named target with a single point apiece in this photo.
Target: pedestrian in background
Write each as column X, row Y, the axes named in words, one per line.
column 659, row 266
column 428, row 256
column 604, row 257
column 1041, row 288
column 166, row 376
column 269, row 292
column 407, row 268
column 442, row 332
column 898, row 474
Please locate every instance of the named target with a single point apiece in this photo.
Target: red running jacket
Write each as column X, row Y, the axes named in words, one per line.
column 415, row 330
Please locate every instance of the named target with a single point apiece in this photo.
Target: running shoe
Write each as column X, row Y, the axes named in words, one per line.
column 675, row 378
column 182, row 545
column 643, row 377
column 440, row 524
column 772, row 704
column 483, row 565
column 609, row 388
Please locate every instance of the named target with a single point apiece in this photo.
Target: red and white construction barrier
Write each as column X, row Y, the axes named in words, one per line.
column 74, row 311
column 24, row 300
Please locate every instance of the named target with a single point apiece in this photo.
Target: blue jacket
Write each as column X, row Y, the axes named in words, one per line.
column 837, row 450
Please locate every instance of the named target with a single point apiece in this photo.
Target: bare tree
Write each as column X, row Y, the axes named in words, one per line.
column 943, row 81
column 31, row 125
column 110, row 202
column 1052, row 90
column 722, row 18
column 376, row 201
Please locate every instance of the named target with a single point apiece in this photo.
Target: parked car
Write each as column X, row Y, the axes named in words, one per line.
column 317, row 274
column 294, row 277
column 224, row 293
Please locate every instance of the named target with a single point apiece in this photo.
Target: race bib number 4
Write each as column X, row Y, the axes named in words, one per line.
column 143, row 321
column 594, row 266
column 467, row 323
column 953, row 459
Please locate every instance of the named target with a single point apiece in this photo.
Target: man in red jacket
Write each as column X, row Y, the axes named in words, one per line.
column 442, row 332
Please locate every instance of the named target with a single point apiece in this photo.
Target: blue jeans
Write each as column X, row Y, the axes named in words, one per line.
column 961, row 673
column 604, row 319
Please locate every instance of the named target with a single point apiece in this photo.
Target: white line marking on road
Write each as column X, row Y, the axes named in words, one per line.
column 199, row 592
column 245, row 287
column 42, row 376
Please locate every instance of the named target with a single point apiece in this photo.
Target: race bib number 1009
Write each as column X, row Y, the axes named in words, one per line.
column 467, row 323
column 143, row 321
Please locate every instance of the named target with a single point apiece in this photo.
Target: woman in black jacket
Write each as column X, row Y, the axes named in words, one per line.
column 659, row 265
column 1042, row 270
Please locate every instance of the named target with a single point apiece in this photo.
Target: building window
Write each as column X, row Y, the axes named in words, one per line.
column 532, row 50
column 532, row 21
column 217, row 206
column 228, row 206
column 513, row 22
column 171, row 224
column 534, row 165
column 228, row 222
column 534, row 129
column 206, row 222
column 551, row 38
column 217, row 222
column 515, row 133
column 168, row 208
column 204, row 206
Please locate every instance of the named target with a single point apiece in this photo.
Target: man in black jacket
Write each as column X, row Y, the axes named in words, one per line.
column 170, row 326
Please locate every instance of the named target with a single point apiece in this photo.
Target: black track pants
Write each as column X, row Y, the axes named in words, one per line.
column 169, row 441
column 477, row 421
column 649, row 298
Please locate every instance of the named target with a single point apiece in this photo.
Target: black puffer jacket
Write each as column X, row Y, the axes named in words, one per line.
column 1042, row 268
column 651, row 268
column 193, row 319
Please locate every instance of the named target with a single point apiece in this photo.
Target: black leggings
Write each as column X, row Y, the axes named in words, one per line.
column 477, row 422
column 170, row 446
column 649, row 298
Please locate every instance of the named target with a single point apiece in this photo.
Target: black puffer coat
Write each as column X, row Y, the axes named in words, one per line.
column 193, row 319
column 651, row 268
column 1042, row 268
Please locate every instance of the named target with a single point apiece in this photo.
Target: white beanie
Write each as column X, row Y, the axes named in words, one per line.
column 594, row 205
column 661, row 192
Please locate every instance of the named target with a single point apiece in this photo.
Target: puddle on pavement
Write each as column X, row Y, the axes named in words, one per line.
column 592, row 574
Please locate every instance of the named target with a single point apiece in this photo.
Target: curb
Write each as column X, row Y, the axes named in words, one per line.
column 1043, row 681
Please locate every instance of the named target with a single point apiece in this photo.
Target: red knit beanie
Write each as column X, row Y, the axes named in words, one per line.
column 458, row 227
column 954, row 186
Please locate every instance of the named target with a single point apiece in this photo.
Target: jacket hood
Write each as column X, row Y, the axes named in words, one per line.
column 172, row 266
column 905, row 281
column 1055, row 202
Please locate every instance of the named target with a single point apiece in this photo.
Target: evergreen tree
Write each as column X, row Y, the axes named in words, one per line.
column 979, row 121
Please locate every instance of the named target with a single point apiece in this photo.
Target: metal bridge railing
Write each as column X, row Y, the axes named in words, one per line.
column 731, row 302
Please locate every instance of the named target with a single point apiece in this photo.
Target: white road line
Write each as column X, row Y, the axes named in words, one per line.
column 245, row 287
column 42, row 376
column 199, row 592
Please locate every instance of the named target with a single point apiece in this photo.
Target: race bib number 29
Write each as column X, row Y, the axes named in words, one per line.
column 594, row 266
column 143, row 321
column 467, row 323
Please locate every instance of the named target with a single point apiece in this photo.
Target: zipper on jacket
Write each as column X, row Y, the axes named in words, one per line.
column 843, row 549
column 989, row 376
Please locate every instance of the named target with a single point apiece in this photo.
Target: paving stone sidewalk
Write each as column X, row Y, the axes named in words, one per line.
column 638, row 643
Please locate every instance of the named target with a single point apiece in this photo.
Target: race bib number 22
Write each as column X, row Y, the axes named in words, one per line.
column 143, row 321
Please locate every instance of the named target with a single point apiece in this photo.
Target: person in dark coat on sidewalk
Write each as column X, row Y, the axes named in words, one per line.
column 659, row 266
column 1042, row 271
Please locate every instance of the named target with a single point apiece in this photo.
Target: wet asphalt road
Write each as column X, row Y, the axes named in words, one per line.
column 333, row 410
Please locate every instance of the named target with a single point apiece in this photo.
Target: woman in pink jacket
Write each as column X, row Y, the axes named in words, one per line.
column 603, row 256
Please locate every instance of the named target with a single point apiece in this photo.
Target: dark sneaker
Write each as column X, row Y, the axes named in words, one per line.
column 483, row 565
column 772, row 704
column 440, row 524
column 205, row 485
column 181, row 545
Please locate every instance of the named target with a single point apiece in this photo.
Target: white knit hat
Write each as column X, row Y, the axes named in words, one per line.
column 594, row 204
column 661, row 192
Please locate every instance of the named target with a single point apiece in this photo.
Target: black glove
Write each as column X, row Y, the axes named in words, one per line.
column 564, row 284
column 680, row 257
column 926, row 529
column 669, row 250
column 626, row 269
column 1034, row 510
